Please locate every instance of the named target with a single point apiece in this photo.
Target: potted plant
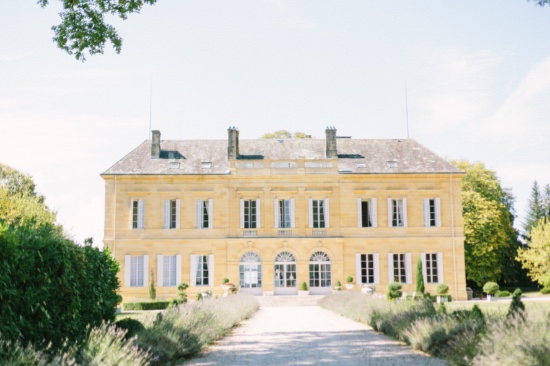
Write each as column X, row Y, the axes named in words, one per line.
column 227, row 287
column 441, row 291
column 491, row 288
column 338, row 286
column 349, row 282
column 303, row 291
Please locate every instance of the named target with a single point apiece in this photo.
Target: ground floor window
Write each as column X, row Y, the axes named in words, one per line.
column 136, row 277
column 285, row 270
column 399, row 269
column 250, row 271
column 320, row 270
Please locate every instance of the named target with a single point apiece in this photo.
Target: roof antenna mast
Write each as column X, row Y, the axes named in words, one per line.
column 150, row 108
column 407, row 109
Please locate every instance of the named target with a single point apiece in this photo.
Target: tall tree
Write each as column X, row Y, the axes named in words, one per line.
column 419, row 277
column 83, row 27
column 535, row 208
column 536, row 257
column 490, row 239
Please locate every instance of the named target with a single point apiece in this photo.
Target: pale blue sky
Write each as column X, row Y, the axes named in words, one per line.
column 477, row 74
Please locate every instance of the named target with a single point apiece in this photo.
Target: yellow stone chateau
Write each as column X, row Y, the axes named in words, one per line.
column 271, row 214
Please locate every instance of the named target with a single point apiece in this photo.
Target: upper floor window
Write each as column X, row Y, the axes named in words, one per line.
column 204, row 214
column 250, row 214
column 397, row 212
column 284, row 213
column 366, row 213
column 400, row 268
column 171, row 214
column 138, row 214
column 432, row 212
column 318, row 213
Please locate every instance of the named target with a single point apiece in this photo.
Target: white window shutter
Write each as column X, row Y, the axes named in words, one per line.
column 276, row 212
column 440, row 267
column 177, row 214
column 390, row 268
column 327, row 213
column 426, row 205
column 241, row 205
column 258, row 214
column 438, row 212
column 141, row 214
column 198, row 214
column 160, row 270
column 390, row 212
column 193, row 274
column 132, row 214
column 424, row 269
column 145, row 270
column 358, row 277
column 376, row 268
column 373, row 212
column 166, row 214
column 178, row 269
column 210, row 213
column 359, row 213
column 310, row 208
column 408, row 267
column 127, row 270
column 211, row 270
column 405, row 224
column 292, row 215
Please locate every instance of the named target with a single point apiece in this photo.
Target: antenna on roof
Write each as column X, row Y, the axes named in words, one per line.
column 407, row 109
column 150, row 107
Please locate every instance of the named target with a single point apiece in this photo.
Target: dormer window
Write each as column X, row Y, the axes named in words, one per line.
column 174, row 165
column 392, row 164
column 206, row 165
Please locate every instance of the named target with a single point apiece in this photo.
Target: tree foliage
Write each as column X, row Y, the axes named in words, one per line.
column 538, row 207
column 83, row 27
column 284, row 134
column 419, row 277
column 536, row 257
column 50, row 287
column 490, row 239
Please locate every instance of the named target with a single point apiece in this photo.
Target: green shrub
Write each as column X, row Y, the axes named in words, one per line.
column 394, row 291
column 419, row 277
column 441, row 289
column 145, row 305
column 502, row 293
column 52, row 288
column 490, row 288
column 516, row 308
column 349, row 279
column 225, row 280
column 303, row 286
column 152, row 289
column 545, row 291
column 132, row 326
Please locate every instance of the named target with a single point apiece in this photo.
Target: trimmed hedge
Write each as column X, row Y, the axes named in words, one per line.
column 146, row 305
column 545, row 291
column 503, row 293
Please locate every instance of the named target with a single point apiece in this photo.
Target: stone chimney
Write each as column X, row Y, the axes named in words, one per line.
column 155, row 145
column 330, row 142
column 232, row 143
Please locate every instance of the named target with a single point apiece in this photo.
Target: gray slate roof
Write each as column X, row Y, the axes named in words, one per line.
column 363, row 156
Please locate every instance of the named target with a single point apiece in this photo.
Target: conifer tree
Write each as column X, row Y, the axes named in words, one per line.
column 535, row 209
column 419, row 277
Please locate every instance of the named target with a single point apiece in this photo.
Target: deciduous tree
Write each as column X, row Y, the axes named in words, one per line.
column 536, row 257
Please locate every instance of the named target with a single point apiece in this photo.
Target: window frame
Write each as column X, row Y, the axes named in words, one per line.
column 315, row 221
column 375, row 268
column 132, row 267
column 432, row 213
column 203, row 207
column 371, row 213
column 280, row 215
column 171, row 214
column 137, row 214
column 407, row 264
column 397, row 217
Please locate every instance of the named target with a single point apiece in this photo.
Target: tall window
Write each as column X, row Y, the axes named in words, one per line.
column 399, row 269
column 169, row 270
column 204, row 214
column 319, row 270
column 171, row 214
column 367, row 268
column 366, row 212
column 138, row 214
column 250, row 214
column 432, row 267
column 202, row 271
column 432, row 212
column 318, row 213
column 250, row 271
column 136, row 270
column 283, row 212
column 397, row 212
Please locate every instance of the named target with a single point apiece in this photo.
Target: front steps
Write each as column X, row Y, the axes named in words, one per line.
column 296, row 300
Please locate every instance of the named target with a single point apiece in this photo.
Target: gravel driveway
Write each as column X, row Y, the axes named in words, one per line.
column 308, row 335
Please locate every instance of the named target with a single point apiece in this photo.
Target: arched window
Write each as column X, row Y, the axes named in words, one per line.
column 285, row 270
column 320, row 271
column 250, row 270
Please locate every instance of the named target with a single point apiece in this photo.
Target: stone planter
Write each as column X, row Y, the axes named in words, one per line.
column 492, row 298
column 369, row 290
column 349, row 286
column 225, row 289
column 337, row 288
column 303, row 293
column 443, row 298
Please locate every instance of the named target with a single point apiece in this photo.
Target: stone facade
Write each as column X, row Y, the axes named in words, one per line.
column 220, row 202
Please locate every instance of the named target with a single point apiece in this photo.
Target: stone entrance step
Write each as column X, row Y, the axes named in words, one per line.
column 278, row 301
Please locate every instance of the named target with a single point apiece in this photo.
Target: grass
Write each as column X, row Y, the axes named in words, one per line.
column 496, row 306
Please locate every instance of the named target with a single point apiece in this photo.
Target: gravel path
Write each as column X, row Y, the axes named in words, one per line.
column 308, row 335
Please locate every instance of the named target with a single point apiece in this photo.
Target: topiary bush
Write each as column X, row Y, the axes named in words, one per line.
column 349, row 279
column 132, row 326
column 146, row 305
column 503, row 293
column 516, row 308
column 394, row 291
column 303, row 286
column 490, row 288
column 441, row 289
column 545, row 291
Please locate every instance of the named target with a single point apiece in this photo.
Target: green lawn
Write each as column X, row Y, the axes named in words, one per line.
column 137, row 315
column 496, row 306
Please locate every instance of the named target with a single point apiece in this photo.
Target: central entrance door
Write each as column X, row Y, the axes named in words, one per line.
column 285, row 274
column 320, row 274
column 250, row 274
